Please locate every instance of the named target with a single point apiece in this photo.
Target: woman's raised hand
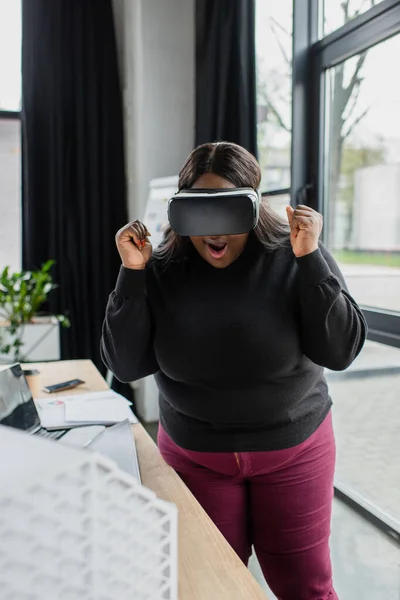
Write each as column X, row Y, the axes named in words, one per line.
column 133, row 245
column 305, row 229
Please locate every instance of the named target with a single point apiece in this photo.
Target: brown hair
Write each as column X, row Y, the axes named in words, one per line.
column 239, row 167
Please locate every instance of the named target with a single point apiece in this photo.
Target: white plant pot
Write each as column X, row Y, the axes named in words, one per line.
column 41, row 340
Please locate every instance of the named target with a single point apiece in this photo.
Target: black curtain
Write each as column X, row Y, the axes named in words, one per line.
column 225, row 72
column 74, row 197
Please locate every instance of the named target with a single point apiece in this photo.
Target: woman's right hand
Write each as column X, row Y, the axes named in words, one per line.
column 133, row 245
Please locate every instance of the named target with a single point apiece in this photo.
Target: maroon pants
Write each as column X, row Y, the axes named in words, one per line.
column 280, row 502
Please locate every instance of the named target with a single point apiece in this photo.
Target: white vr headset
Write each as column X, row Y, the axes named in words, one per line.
column 214, row 211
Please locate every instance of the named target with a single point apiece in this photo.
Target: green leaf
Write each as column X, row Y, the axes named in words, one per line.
column 47, row 266
column 4, row 274
column 47, row 288
column 64, row 321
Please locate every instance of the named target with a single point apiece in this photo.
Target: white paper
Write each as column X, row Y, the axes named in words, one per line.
column 52, row 408
column 106, row 410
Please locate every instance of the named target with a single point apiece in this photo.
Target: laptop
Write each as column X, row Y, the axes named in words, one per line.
column 18, row 410
column 117, row 442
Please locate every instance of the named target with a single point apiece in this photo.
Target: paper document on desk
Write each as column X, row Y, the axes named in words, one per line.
column 52, row 410
column 102, row 412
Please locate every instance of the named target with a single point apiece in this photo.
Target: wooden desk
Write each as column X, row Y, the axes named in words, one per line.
column 208, row 567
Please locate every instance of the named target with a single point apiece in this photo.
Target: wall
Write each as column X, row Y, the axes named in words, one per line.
column 156, row 47
column 156, row 50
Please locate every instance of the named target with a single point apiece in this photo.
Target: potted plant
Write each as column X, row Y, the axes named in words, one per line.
column 25, row 333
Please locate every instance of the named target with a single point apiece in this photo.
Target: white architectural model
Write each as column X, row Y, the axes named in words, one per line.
column 73, row 526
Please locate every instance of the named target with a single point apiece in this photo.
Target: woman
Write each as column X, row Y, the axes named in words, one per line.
column 237, row 330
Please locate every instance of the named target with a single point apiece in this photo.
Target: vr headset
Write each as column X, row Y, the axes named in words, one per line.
column 214, row 211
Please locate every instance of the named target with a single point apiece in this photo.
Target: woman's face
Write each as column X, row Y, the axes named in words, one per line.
column 218, row 250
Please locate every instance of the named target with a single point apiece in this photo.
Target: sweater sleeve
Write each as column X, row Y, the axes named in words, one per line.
column 127, row 336
column 333, row 328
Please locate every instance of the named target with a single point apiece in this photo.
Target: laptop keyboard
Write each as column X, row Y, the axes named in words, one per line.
column 52, row 435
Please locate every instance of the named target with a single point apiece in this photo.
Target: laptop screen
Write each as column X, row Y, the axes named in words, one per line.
column 17, row 408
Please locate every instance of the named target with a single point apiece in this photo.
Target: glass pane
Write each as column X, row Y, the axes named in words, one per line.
column 336, row 13
column 274, row 101
column 362, row 174
column 365, row 561
column 367, row 421
column 10, row 55
column 279, row 204
column 10, row 203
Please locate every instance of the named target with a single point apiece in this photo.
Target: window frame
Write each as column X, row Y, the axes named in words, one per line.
column 277, row 192
column 10, row 114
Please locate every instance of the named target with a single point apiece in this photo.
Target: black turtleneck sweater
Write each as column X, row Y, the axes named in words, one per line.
column 237, row 353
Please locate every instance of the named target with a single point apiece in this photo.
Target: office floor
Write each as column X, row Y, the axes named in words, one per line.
column 366, row 563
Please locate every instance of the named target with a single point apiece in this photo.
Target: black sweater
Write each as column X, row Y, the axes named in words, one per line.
column 238, row 353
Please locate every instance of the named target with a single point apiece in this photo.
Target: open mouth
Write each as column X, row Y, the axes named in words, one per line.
column 217, row 249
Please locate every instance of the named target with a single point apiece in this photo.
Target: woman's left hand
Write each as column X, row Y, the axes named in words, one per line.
column 305, row 229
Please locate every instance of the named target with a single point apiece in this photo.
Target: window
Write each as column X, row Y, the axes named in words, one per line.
column 278, row 203
column 274, row 66
column 346, row 164
column 362, row 173
column 368, row 441
column 10, row 205
column 10, row 55
column 336, row 13
column 10, row 134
